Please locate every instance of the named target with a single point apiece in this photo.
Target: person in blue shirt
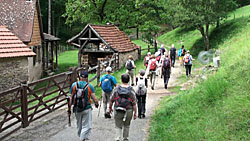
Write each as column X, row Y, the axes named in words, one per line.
column 83, row 114
column 107, row 82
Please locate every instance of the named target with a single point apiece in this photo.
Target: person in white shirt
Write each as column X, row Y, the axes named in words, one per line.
column 188, row 63
column 152, row 66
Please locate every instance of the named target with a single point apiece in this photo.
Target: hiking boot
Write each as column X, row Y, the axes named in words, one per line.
column 108, row 115
column 139, row 116
column 166, row 86
column 132, row 84
column 152, row 88
column 143, row 116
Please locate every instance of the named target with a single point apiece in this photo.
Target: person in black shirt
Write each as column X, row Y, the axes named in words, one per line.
column 172, row 54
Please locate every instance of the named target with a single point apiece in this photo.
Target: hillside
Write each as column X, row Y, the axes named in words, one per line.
column 217, row 108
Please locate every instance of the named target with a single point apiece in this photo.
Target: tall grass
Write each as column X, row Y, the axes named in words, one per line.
column 218, row 108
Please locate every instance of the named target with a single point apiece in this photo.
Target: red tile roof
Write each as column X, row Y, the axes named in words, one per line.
column 11, row 45
column 115, row 37
column 18, row 16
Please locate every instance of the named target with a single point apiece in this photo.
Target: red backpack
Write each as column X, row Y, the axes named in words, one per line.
column 187, row 59
column 153, row 66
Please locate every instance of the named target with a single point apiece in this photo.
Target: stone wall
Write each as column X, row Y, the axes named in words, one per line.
column 13, row 71
column 123, row 57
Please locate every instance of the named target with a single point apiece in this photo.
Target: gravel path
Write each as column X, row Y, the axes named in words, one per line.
column 54, row 126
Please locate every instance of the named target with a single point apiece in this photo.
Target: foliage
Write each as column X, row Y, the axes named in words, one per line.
column 142, row 14
column 217, row 109
column 200, row 13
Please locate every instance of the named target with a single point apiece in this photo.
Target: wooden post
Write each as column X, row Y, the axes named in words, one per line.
column 155, row 46
column 52, row 55
column 148, row 47
column 56, row 54
column 43, row 56
column 98, row 71
column 73, row 77
column 24, row 105
column 79, row 58
column 47, row 55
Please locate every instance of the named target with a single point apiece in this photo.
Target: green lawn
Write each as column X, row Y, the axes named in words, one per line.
column 218, row 108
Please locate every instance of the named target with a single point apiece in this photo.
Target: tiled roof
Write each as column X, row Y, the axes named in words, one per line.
column 115, row 37
column 11, row 45
column 18, row 16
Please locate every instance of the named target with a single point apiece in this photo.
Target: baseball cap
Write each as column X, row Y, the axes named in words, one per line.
column 84, row 74
column 188, row 51
column 108, row 69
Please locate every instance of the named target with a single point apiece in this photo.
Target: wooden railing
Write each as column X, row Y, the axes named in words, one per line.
column 26, row 103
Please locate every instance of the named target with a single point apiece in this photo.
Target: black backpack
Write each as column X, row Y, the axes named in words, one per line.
column 123, row 102
column 129, row 65
column 80, row 98
column 166, row 63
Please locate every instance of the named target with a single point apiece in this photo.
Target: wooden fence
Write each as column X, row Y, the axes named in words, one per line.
column 26, row 103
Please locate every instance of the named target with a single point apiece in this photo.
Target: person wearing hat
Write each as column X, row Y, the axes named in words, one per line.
column 141, row 92
column 107, row 83
column 81, row 92
column 188, row 63
column 166, row 70
column 130, row 66
column 181, row 54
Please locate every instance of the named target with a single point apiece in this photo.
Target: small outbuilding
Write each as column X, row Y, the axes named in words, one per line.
column 14, row 61
column 103, row 41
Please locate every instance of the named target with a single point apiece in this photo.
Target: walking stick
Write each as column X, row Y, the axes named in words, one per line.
column 69, row 110
column 100, row 107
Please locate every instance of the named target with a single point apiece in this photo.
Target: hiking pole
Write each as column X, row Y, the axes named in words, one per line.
column 100, row 107
column 69, row 110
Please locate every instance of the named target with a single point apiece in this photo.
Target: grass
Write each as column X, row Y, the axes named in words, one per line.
column 218, row 108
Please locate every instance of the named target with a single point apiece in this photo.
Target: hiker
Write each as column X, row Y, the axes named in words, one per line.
column 152, row 66
column 146, row 59
column 188, row 63
column 124, row 109
column 141, row 91
column 81, row 92
column 107, row 83
column 158, row 58
column 181, row 54
column 130, row 66
column 172, row 54
column 162, row 49
column 166, row 70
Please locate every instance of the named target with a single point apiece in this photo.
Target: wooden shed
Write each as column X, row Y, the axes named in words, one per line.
column 103, row 41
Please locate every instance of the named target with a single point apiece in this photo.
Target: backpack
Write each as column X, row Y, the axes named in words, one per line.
column 187, row 59
column 107, row 84
column 129, row 65
column 147, row 58
column 141, row 87
column 158, row 58
column 153, row 66
column 80, row 98
column 123, row 101
column 182, row 51
column 166, row 63
column 179, row 52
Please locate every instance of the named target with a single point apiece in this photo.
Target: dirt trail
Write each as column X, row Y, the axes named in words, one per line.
column 54, row 126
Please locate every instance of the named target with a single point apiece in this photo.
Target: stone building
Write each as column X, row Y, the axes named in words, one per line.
column 102, row 41
column 14, row 60
column 22, row 17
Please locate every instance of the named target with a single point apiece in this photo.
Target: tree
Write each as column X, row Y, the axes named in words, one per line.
column 141, row 14
column 200, row 14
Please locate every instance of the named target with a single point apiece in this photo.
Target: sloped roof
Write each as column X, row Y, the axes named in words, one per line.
column 18, row 16
column 110, row 35
column 11, row 45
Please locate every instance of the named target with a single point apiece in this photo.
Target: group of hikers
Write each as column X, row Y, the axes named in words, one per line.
column 126, row 97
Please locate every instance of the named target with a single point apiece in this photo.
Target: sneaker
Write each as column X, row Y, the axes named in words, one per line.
column 152, row 88
column 139, row 116
column 106, row 115
column 166, row 86
column 132, row 84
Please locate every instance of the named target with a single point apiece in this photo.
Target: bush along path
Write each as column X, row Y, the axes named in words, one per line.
column 55, row 128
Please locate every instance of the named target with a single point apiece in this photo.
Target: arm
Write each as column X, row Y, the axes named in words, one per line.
column 133, row 64
column 95, row 100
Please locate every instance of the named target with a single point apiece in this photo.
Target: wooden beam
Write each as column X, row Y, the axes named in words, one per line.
column 89, row 33
column 75, row 44
column 56, row 54
column 92, row 39
column 82, row 46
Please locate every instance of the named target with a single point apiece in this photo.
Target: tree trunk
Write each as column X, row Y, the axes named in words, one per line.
column 218, row 23
column 137, row 33
column 49, row 17
column 205, row 36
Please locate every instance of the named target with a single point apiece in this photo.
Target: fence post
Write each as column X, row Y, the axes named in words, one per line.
column 148, row 47
column 73, row 77
column 155, row 46
column 24, row 104
column 98, row 72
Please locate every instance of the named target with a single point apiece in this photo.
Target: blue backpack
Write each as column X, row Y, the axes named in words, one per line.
column 107, row 84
